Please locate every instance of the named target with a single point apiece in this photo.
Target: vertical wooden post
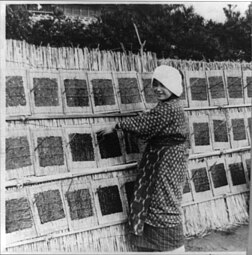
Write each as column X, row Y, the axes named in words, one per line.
column 249, row 249
column 2, row 123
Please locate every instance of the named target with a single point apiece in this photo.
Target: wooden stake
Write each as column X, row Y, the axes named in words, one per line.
column 2, row 121
column 249, row 249
column 139, row 40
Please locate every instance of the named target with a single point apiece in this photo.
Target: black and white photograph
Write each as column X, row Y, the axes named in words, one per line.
column 126, row 127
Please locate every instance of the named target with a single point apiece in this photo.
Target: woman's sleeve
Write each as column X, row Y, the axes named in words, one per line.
column 148, row 124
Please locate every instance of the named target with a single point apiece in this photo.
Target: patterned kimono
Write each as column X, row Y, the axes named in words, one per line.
column 159, row 185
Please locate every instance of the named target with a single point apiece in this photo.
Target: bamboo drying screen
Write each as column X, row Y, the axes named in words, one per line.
column 127, row 184
column 199, row 175
column 219, row 127
column 187, row 190
column 217, row 88
column 236, row 172
column 109, row 147
column 189, row 141
column 55, row 205
column 76, row 92
column 200, row 131
column 197, row 88
column 131, row 143
column 247, row 86
column 150, row 100
column 46, row 95
column 109, row 200
column 103, row 92
column 80, row 148
column 246, row 160
column 184, row 95
column 237, row 125
column 129, row 188
column 234, row 85
column 248, row 123
column 128, row 91
column 17, row 98
column 248, row 165
column 48, row 208
column 18, row 216
column 49, row 150
column 79, row 201
column 19, row 159
column 218, row 176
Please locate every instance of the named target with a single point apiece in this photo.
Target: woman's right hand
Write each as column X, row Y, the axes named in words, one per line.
column 106, row 129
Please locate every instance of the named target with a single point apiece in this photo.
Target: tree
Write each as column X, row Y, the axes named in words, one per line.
column 171, row 31
column 232, row 36
column 18, row 25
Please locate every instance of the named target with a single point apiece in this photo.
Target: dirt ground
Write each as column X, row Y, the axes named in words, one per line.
column 234, row 239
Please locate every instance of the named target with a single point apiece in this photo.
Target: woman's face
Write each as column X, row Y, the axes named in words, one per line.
column 161, row 92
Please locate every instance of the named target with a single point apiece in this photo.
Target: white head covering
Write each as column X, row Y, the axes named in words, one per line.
column 170, row 78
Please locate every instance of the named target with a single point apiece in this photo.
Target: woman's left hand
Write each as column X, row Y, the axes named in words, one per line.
column 109, row 128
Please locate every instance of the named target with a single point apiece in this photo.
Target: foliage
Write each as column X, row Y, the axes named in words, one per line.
column 18, row 25
column 171, row 31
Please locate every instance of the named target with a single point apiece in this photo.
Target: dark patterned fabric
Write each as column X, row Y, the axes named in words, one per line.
column 159, row 185
column 159, row 239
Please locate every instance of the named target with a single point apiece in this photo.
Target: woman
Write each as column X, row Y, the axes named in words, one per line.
column 155, row 218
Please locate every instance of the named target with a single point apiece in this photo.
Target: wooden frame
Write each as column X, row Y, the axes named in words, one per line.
column 25, row 233
column 43, row 133
column 233, row 159
column 190, row 134
column 246, row 160
column 237, row 115
column 51, row 226
column 128, row 107
column 103, row 162
column 211, row 164
column 114, row 217
column 249, row 248
column 122, row 183
column 191, row 100
column 214, row 99
column 22, row 171
column 79, row 166
column 248, row 123
column 220, row 116
column 203, row 195
column 46, row 110
column 184, row 96
column 199, row 118
column 233, row 73
column 19, row 110
column 247, row 87
column 72, row 185
column 102, row 108
column 72, row 75
column 129, row 157
column 188, row 197
column 147, row 102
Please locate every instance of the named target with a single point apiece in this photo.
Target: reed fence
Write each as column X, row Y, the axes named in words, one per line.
column 68, row 190
column 23, row 54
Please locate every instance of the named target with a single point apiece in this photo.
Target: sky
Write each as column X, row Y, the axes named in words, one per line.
column 214, row 9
